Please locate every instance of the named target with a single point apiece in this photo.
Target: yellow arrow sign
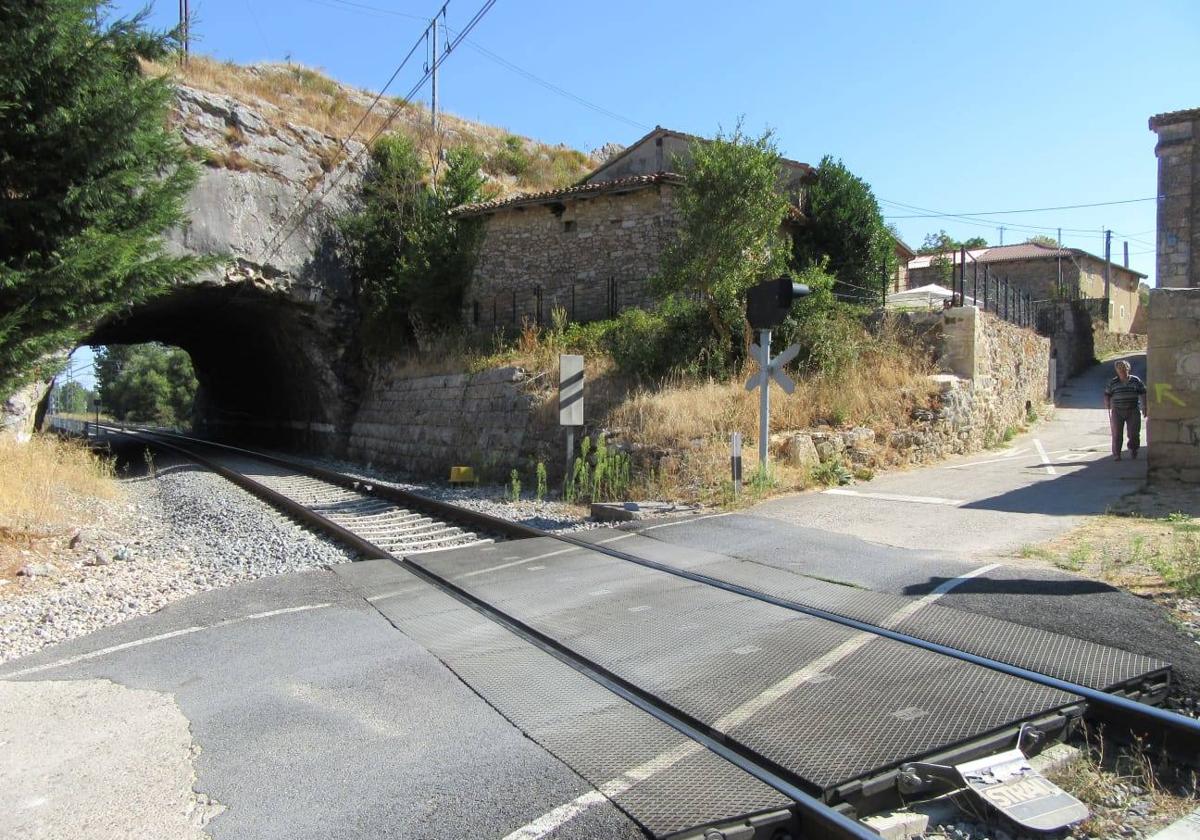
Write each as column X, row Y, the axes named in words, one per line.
column 1164, row 389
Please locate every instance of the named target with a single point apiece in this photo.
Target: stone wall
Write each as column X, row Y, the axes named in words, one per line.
column 994, row 372
column 424, row 425
column 1178, row 153
column 1039, row 277
column 590, row 256
column 1173, row 355
column 1173, row 366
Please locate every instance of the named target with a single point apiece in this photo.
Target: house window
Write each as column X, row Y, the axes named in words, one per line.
column 1122, row 312
column 569, row 227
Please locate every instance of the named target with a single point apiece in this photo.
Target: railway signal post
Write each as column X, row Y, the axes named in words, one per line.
column 767, row 305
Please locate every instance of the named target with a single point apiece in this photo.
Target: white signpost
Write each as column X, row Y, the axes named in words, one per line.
column 570, row 399
column 768, row 369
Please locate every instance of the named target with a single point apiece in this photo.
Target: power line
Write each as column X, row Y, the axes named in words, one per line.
column 275, row 244
column 364, row 8
column 450, row 47
column 988, row 223
column 599, row 109
column 932, row 215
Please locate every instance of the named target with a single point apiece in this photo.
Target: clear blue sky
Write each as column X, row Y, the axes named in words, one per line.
column 951, row 106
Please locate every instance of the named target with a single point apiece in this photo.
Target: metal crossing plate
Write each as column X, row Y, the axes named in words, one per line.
column 827, row 703
column 664, row 781
column 1064, row 657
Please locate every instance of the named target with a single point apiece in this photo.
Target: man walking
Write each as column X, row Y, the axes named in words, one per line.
column 1125, row 399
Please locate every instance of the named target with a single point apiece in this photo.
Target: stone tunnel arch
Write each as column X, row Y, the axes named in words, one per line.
column 271, row 370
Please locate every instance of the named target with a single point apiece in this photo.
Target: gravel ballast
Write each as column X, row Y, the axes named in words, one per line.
column 182, row 532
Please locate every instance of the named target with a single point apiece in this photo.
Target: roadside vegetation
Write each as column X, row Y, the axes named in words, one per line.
column 48, row 487
column 1159, row 556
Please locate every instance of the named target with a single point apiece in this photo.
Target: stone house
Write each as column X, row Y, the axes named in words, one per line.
column 1046, row 273
column 591, row 248
column 904, row 255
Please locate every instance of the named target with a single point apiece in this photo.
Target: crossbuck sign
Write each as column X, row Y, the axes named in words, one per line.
column 768, row 369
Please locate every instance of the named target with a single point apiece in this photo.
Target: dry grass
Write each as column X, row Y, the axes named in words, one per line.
column 1111, row 779
column 1151, row 557
column 289, row 94
column 44, row 486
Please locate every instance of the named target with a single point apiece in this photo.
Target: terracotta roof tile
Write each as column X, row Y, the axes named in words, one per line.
column 579, row 190
column 1010, row 253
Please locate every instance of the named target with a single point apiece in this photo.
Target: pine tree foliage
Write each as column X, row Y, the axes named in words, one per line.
column 409, row 259
column 90, row 176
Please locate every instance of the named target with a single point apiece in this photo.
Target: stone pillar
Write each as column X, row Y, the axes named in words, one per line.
column 1178, row 153
column 1173, row 355
column 960, row 341
column 1173, row 362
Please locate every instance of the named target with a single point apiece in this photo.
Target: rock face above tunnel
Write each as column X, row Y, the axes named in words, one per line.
column 271, row 330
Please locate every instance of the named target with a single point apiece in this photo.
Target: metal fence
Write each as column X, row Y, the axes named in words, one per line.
column 535, row 306
column 990, row 291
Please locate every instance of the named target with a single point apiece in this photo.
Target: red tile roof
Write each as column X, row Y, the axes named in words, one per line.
column 1012, row 253
column 635, row 182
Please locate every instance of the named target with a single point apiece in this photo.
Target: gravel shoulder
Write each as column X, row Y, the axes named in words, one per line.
column 181, row 531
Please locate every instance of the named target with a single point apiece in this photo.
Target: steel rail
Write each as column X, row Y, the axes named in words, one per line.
column 1178, row 734
column 819, row 821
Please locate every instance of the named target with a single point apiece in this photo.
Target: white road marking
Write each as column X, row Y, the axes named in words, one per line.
column 1045, row 458
column 940, row 590
column 393, row 594
column 688, row 521
column 95, row 654
column 896, row 497
column 814, row 672
column 535, row 558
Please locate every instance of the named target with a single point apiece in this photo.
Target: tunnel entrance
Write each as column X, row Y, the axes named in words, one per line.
column 271, row 370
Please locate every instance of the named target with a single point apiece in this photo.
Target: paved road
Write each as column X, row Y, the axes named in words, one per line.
column 910, row 532
column 313, row 717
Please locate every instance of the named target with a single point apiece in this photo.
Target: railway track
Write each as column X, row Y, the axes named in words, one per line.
column 383, row 522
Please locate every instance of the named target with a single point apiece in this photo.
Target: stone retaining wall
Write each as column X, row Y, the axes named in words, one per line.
column 994, row 373
column 426, row 424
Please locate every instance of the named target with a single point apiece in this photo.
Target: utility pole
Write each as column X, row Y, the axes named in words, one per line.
column 1001, row 234
column 1107, row 272
column 1127, row 253
column 184, row 34
column 434, row 71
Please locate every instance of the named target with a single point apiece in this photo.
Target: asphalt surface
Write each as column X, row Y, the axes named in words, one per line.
column 322, row 722
column 965, row 514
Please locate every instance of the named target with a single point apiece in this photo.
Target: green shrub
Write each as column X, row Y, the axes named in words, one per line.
column 606, row 481
column 510, row 159
column 831, row 473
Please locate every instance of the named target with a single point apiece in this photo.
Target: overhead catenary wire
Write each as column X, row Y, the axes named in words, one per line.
column 376, row 11
column 387, row 122
column 275, row 244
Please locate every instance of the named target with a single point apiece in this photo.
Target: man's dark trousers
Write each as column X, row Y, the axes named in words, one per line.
column 1129, row 419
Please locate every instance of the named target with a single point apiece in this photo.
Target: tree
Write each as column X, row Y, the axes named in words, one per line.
column 71, row 398
column 942, row 243
column 90, row 176
column 146, row 383
column 730, row 211
column 1043, row 240
column 410, row 261
column 846, row 228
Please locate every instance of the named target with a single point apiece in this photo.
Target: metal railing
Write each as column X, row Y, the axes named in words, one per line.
column 580, row 303
column 990, row 291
